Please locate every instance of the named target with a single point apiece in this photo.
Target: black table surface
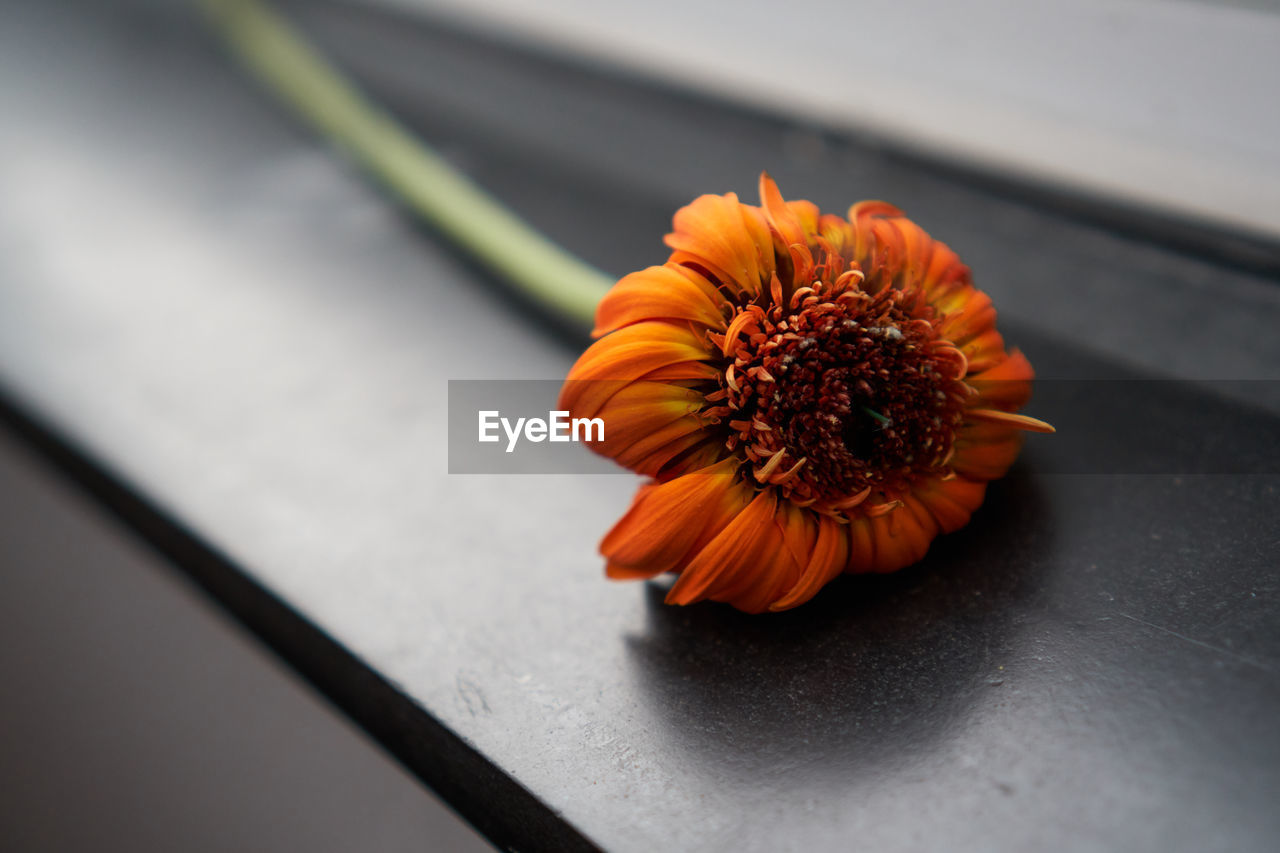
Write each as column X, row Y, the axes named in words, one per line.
column 242, row 348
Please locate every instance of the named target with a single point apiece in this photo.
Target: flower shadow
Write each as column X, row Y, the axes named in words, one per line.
column 873, row 670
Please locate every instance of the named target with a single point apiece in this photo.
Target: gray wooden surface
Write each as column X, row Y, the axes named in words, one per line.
column 137, row 717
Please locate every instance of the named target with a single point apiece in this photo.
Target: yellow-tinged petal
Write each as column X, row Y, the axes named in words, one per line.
column 694, row 458
column 641, row 417
column 681, row 371
column 726, row 238
column 808, row 215
column 966, row 317
column 627, row 355
column 984, row 351
column 670, row 293
column 651, row 455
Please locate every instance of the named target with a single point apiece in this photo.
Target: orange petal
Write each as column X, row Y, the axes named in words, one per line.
column 862, row 216
column 759, row 584
column 807, row 214
column 618, row 572
column 671, row 293
column 1024, row 422
column 782, row 217
column 684, row 370
column 951, row 502
column 966, row 316
column 666, row 521
column 984, row 450
column 647, row 423
column 902, row 537
column 862, row 546
column 1006, row 385
column 692, row 459
column 914, row 251
column 652, row 454
column 624, row 356
column 946, row 273
column 727, row 238
column 742, row 543
column 984, row 351
column 827, row 559
column 638, row 409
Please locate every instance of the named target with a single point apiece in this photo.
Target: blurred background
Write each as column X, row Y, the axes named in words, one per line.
column 202, row 295
column 1162, row 103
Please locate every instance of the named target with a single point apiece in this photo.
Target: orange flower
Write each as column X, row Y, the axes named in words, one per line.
column 810, row 395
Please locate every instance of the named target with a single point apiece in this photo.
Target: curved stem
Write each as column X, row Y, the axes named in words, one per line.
column 420, row 177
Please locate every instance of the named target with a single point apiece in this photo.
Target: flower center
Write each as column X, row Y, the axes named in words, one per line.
column 843, row 394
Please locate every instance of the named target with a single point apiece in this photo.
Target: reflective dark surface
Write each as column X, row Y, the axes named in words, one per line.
column 237, row 329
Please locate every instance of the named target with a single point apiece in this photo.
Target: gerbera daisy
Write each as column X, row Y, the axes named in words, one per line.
column 810, row 395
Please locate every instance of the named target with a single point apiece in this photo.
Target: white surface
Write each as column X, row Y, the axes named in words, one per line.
column 1171, row 104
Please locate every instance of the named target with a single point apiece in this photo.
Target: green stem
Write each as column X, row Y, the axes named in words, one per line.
column 420, row 177
column 881, row 419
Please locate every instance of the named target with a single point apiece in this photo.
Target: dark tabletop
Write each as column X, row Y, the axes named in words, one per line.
column 243, row 348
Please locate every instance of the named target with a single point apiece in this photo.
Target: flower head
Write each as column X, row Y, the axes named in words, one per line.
column 810, row 395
